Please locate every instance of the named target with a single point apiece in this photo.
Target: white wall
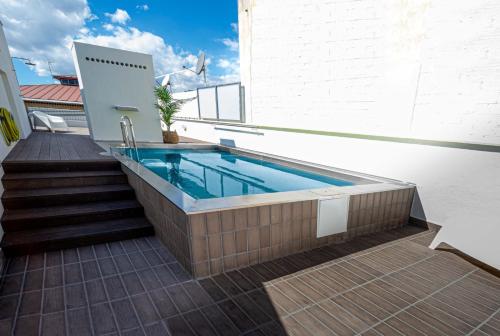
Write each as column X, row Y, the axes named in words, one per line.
column 458, row 189
column 10, row 98
column 423, row 69
column 420, row 68
column 104, row 85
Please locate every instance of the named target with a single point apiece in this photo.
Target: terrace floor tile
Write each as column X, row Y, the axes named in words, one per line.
column 387, row 283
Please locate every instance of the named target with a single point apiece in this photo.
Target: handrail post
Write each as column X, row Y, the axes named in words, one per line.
column 123, row 126
column 128, row 130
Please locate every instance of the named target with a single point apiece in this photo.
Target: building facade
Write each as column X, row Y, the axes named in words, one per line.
column 405, row 90
column 61, row 99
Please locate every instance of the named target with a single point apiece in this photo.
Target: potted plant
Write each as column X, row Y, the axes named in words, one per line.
column 168, row 108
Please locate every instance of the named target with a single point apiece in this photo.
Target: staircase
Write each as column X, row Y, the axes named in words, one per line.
column 65, row 204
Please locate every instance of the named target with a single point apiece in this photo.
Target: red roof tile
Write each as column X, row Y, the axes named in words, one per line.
column 55, row 92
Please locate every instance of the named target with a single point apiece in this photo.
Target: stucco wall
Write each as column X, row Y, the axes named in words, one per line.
column 10, row 98
column 112, row 77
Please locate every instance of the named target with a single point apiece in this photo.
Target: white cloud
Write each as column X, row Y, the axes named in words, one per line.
column 119, row 16
column 134, row 39
column 143, row 7
column 92, row 17
column 229, row 64
column 165, row 58
column 43, row 30
column 234, row 27
column 231, row 70
column 108, row 26
column 233, row 45
column 46, row 33
column 224, row 63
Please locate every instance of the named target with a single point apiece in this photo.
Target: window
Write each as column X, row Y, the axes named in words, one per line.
column 72, row 82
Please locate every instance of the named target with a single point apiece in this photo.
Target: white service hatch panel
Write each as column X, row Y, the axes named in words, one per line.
column 332, row 215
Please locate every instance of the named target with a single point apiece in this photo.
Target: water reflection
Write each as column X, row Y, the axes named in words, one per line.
column 173, row 174
column 211, row 173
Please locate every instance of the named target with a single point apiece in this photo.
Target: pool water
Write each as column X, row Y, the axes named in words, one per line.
column 213, row 173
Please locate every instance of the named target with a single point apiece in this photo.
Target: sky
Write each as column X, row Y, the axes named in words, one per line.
column 174, row 32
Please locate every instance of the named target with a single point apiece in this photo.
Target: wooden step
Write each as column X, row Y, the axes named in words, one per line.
column 36, row 198
column 39, row 180
column 25, row 219
column 59, row 166
column 70, row 236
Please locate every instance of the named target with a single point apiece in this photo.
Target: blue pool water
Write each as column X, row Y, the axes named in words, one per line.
column 212, row 173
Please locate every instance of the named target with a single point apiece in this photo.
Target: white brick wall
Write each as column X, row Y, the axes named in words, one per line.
column 424, row 69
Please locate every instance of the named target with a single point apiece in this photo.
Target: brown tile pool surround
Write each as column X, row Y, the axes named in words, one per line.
column 247, row 230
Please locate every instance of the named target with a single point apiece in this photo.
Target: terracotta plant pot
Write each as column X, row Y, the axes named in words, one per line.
column 170, row 137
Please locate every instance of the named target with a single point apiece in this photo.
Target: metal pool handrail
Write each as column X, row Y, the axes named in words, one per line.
column 127, row 130
column 129, row 135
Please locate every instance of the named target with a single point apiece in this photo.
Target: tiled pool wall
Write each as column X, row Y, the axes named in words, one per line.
column 230, row 239
column 212, row 242
column 170, row 222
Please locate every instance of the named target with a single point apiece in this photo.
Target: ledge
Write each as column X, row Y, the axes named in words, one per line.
column 435, row 143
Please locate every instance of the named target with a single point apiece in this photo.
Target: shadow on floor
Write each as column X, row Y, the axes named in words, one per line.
column 136, row 287
column 256, row 281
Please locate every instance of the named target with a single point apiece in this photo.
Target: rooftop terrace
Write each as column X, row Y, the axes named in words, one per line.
column 387, row 283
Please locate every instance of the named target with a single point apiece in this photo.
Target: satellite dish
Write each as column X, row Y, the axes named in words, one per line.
column 200, row 65
column 166, row 80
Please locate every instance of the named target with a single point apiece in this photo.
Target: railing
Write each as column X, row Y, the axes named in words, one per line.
column 129, row 138
column 221, row 102
column 128, row 132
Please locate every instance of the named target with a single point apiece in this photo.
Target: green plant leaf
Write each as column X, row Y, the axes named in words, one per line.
column 167, row 105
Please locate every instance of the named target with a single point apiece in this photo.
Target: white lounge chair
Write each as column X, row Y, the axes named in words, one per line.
column 38, row 118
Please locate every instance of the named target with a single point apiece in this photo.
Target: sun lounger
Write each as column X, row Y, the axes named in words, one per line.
column 38, row 118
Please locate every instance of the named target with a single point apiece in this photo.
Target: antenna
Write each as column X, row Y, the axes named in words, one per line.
column 200, row 67
column 166, row 81
column 50, row 68
column 26, row 61
column 166, row 78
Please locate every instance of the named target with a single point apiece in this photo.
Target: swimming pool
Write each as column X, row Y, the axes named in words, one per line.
column 204, row 174
column 219, row 208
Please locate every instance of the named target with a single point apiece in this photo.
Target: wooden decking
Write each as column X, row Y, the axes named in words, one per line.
column 46, row 146
column 71, row 146
column 60, row 192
